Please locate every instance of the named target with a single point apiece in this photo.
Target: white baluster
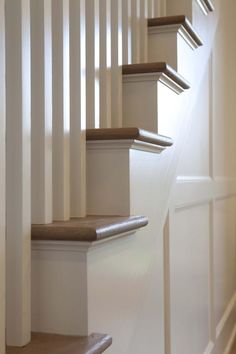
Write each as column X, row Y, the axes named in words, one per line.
column 126, row 32
column 61, row 110
column 2, row 177
column 143, row 30
column 135, row 21
column 18, row 171
column 116, row 62
column 77, row 108
column 105, row 63
column 41, row 76
column 151, row 8
column 156, row 8
column 92, row 63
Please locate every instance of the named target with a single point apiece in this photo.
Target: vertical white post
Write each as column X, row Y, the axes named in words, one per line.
column 116, row 62
column 135, row 22
column 126, row 32
column 93, row 63
column 41, row 112
column 157, row 8
column 77, row 108
column 143, row 31
column 18, row 171
column 61, row 109
column 2, row 177
column 105, row 63
column 151, row 8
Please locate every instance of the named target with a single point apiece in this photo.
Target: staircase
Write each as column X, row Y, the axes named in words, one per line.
column 105, row 264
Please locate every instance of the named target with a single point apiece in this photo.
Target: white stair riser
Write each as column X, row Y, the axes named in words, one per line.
column 112, row 170
column 192, row 10
column 168, row 45
column 59, row 296
column 146, row 104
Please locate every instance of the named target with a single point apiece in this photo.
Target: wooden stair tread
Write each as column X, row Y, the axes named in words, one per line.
column 176, row 20
column 156, row 67
column 128, row 133
column 87, row 229
column 58, row 344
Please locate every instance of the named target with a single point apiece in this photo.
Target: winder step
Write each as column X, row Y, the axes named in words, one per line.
column 57, row 344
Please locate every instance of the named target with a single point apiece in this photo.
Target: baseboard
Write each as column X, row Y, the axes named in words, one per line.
column 231, row 341
column 226, row 330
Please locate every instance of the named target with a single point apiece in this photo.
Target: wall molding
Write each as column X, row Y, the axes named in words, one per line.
column 194, row 190
column 226, row 315
column 231, row 341
column 206, row 6
column 77, row 247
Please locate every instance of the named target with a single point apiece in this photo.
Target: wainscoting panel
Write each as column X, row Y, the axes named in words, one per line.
column 189, row 278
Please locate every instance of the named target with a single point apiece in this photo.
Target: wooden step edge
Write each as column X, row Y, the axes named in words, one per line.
column 87, row 229
column 181, row 20
column 158, row 68
column 42, row 343
column 128, row 134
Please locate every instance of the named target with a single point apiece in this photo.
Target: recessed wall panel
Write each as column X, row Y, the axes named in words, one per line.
column 189, row 259
column 195, row 160
column 224, row 255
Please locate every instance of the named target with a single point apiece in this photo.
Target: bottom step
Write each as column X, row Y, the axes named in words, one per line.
column 57, row 344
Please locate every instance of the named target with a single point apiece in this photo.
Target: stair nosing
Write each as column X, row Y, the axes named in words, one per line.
column 128, row 133
column 45, row 343
column 209, row 5
column 156, row 67
column 176, row 20
column 97, row 228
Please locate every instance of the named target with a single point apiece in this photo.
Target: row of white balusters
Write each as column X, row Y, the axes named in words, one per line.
column 63, row 75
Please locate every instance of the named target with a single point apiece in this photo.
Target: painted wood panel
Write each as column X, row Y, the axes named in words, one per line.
column 77, row 182
column 105, row 8
column 116, row 62
column 224, row 255
column 196, row 160
column 41, row 111
column 206, row 177
column 126, row 32
column 189, row 259
column 61, row 110
column 92, row 64
column 18, row 167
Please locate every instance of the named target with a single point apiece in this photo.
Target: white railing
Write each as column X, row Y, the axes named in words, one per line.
column 77, row 49
column 97, row 36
